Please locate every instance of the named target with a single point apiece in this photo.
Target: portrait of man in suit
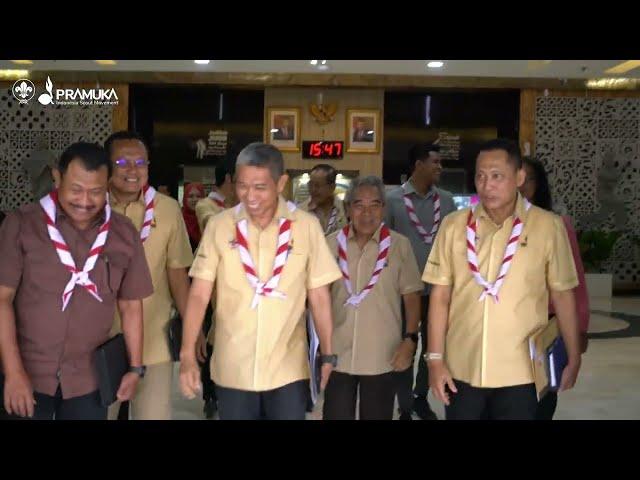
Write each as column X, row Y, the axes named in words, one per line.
column 362, row 129
column 285, row 127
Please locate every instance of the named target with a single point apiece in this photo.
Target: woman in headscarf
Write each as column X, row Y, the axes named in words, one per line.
column 192, row 193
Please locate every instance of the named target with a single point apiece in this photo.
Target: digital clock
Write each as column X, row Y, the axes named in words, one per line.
column 322, row 149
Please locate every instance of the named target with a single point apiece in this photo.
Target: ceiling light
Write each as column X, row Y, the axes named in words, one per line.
column 202, row 62
column 624, row 67
column 435, row 64
column 274, row 130
column 324, row 62
column 23, row 62
column 612, row 83
column 313, row 62
column 13, row 74
column 105, row 62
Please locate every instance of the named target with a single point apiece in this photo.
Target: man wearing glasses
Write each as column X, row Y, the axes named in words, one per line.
column 168, row 253
column 322, row 201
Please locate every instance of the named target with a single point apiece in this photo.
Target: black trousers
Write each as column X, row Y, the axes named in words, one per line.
column 507, row 403
column 405, row 380
column 377, row 394
column 547, row 406
column 85, row 407
column 208, row 386
column 285, row 403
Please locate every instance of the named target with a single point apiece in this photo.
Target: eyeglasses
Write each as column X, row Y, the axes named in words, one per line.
column 139, row 163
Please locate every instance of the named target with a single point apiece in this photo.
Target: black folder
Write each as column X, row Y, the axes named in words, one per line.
column 112, row 364
column 174, row 336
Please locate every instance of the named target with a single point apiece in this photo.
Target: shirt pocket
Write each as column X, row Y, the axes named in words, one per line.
column 44, row 272
column 111, row 269
column 295, row 269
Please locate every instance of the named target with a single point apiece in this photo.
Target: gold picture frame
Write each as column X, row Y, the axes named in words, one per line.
column 282, row 128
column 363, row 130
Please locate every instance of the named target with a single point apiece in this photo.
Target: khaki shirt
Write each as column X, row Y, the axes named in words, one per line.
column 365, row 338
column 207, row 208
column 263, row 348
column 487, row 343
column 341, row 219
column 166, row 247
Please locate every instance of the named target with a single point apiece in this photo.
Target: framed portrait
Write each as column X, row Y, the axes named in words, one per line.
column 282, row 128
column 364, row 130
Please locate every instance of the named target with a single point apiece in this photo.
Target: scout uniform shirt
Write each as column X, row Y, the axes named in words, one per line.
column 166, row 247
column 365, row 338
column 397, row 218
column 57, row 347
column 341, row 217
column 207, row 208
column 263, row 348
column 487, row 342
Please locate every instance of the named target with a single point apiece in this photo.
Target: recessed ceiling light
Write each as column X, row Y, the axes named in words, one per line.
column 105, row 62
column 435, row 64
column 313, row 62
column 23, row 62
column 324, row 62
column 202, row 62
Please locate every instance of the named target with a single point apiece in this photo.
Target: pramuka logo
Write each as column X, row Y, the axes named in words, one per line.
column 24, row 90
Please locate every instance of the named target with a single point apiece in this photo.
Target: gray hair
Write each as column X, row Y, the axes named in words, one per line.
column 258, row 154
column 368, row 181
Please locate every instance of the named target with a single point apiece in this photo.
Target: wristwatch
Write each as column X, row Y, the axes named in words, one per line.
column 141, row 370
column 332, row 359
column 413, row 336
column 432, row 356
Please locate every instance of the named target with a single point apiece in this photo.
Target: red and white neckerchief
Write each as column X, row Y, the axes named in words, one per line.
column 426, row 237
column 383, row 252
column 149, row 195
column 78, row 277
column 217, row 198
column 333, row 216
column 489, row 288
column 268, row 288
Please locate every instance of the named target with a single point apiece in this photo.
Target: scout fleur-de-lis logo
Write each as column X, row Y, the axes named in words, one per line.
column 47, row 98
column 23, row 90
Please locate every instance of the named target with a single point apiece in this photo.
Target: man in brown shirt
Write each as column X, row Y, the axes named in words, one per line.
column 47, row 350
column 381, row 273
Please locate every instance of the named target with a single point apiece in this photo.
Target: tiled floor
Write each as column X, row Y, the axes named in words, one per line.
column 609, row 384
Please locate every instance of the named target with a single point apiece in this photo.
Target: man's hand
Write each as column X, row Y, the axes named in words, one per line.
column 201, row 348
column 18, row 395
column 190, row 384
column 327, row 368
column 439, row 379
column 584, row 342
column 403, row 356
column 128, row 387
column 570, row 375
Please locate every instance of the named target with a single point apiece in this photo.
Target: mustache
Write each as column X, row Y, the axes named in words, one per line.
column 88, row 208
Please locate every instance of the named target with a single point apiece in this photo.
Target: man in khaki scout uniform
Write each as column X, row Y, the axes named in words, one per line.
column 493, row 269
column 379, row 273
column 322, row 201
column 265, row 257
column 168, row 254
column 221, row 197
